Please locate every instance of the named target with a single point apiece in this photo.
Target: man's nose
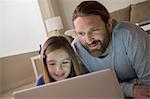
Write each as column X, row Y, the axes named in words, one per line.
column 88, row 38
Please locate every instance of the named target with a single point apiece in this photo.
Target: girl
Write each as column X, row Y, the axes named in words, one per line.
column 58, row 61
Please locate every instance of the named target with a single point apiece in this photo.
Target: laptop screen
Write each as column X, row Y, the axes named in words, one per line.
column 100, row 84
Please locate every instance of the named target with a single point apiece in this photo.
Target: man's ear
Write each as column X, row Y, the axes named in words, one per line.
column 109, row 24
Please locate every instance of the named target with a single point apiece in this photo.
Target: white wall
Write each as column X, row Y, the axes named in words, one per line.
column 66, row 8
column 0, row 78
column 21, row 27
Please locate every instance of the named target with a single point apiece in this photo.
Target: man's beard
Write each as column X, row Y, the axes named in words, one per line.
column 102, row 47
column 99, row 51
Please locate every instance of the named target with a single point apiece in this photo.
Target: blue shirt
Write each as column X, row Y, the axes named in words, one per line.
column 129, row 56
column 40, row 81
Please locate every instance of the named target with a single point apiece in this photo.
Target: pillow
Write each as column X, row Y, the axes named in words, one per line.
column 71, row 32
column 140, row 12
column 122, row 14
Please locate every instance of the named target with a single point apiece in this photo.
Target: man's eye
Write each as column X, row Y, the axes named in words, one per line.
column 95, row 30
column 81, row 33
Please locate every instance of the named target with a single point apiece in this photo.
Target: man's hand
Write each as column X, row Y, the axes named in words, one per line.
column 141, row 91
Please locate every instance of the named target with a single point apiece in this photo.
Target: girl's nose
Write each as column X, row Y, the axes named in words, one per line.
column 59, row 70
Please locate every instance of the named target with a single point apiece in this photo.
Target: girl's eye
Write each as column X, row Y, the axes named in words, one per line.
column 52, row 63
column 66, row 62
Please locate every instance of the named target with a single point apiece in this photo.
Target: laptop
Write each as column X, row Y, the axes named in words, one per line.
column 102, row 84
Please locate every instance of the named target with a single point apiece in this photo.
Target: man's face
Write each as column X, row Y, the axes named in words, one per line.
column 93, row 33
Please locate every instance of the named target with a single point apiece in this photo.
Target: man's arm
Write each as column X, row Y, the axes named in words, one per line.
column 138, row 50
column 141, row 91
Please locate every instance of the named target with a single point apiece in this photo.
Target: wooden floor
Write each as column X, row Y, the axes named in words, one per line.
column 8, row 95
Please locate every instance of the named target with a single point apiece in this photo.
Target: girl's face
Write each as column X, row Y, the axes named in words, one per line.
column 58, row 64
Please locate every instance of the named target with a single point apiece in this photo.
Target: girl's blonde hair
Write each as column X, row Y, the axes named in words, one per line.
column 54, row 43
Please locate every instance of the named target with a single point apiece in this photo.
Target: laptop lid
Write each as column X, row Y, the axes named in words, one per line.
column 95, row 85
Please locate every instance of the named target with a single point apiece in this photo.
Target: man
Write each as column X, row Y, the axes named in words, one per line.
column 103, row 43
